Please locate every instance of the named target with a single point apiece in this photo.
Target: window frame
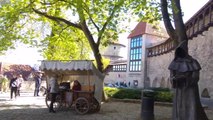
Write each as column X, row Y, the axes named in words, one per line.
column 119, row 68
column 135, row 57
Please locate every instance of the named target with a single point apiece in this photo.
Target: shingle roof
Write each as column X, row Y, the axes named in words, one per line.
column 138, row 30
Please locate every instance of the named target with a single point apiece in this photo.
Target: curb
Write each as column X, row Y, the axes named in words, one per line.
column 139, row 101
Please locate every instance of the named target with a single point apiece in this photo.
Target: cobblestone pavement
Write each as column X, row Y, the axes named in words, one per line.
column 27, row 107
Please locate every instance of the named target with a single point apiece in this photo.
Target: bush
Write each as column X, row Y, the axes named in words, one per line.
column 159, row 94
column 123, row 93
column 163, row 96
column 160, row 89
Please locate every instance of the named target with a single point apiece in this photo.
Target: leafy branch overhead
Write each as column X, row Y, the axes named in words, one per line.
column 61, row 26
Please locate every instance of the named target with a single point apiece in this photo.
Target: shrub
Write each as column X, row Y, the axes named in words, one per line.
column 123, row 93
column 163, row 96
column 159, row 94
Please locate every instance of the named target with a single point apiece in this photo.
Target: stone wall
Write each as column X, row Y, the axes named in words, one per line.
column 114, row 77
column 201, row 48
column 157, row 70
column 29, row 86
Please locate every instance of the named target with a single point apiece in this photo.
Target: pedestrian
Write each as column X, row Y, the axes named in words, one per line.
column 54, row 89
column 4, row 83
column 37, row 78
column 19, row 80
column 13, row 86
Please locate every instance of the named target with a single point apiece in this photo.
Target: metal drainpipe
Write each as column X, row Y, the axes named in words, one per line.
column 145, row 68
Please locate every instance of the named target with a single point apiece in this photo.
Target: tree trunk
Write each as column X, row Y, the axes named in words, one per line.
column 186, row 100
column 94, row 46
column 95, row 49
column 180, row 29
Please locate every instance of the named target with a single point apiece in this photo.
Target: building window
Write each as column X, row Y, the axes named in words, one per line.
column 119, row 68
column 135, row 54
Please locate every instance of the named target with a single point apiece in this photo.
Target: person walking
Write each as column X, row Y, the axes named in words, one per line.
column 54, row 89
column 37, row 78
column 19, row 80
column 13, row 86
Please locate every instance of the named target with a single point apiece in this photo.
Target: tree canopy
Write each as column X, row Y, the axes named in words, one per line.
column 64, row 26
column 69, row 44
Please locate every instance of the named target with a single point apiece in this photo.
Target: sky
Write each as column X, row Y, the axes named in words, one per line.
column 26, row 55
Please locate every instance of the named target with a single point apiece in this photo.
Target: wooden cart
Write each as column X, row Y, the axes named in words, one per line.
column 86, row 100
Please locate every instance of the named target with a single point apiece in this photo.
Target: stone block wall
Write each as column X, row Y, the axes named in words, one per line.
column 157, row 70
column 29, row 86
column 201, row 48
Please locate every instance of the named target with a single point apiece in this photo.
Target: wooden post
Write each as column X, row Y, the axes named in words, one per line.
column 88, row 79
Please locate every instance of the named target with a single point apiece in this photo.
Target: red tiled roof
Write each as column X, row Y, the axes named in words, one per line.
column 138, row 30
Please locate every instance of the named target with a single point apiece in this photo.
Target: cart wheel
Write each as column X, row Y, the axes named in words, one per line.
column 95, row 105
column 56, row 105
column 48, row 100
column 82, row 105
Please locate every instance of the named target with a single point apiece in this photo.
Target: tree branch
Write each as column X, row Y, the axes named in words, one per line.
column 179, row 25
column 167, row 21
column 52, row 3
column 108, row 20
column 91, row 19
column 57, row 19
column 62, row 31
column 94, row 23
column 48, row 3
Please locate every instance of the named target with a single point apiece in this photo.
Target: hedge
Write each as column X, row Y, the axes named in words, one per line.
column 159, row 94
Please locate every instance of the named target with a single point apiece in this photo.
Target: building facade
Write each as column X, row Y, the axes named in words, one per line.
column 199, row 31
column 143, row 36
column 150, row 51
column 117, row 65
column 130, row 72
